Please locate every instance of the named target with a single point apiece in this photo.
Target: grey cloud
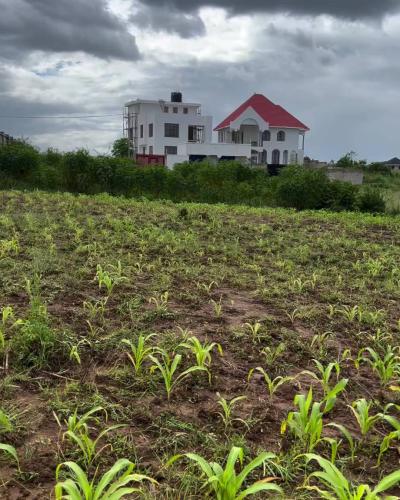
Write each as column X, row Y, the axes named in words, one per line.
column 63, row 26
column 338, row 8
column 169, row 19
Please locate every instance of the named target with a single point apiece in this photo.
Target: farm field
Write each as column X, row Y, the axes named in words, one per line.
column 283, row 328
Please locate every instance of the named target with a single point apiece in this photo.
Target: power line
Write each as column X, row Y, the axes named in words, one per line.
column 80, row 117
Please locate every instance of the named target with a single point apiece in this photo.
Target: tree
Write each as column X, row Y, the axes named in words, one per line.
column 120, row 148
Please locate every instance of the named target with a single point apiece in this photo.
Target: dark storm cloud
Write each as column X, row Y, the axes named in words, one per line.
column 169, row 19
column 339, row 8
column 63, row 26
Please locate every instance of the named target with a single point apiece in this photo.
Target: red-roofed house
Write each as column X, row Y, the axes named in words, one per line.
column 276, row 136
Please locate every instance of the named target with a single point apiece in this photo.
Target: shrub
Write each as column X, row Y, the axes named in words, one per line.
column 18, row 159
column 371, row 200
column 302, row 188
column 341, row 195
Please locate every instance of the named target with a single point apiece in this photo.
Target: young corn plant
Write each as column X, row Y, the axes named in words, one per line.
column 340, row 488
column 140, row 351
column 74, row 350
column 217, row 306
column 77, row 424
column 320, row 343
column 8, row 322
column 160, row 302
column 6, row 424
column 168, row 366
column 272, row 384
column 389, row 438
column 306, row 424
column 387, row 366
column 227, row 484
column 11, row 452
column 113, row 485
column 227, row 411
column 254, row 329
column 202, row 352
column 272, row 354
column 325, row 379
column 348, row 436
column 86, row 444
column 109, row 279
column 365, row 421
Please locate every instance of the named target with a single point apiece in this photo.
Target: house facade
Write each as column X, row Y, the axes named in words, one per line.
column 276, row 137
column 393, row 164
column 5, row 139
column 258, row 132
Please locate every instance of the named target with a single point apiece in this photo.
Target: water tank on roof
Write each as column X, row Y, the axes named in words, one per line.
column 176, row 96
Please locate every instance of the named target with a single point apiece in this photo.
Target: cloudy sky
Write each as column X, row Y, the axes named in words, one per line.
column 334, row 64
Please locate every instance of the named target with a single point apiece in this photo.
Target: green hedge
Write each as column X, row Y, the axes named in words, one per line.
column 23, row 166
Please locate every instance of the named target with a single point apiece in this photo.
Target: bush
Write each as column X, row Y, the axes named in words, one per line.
column 371, row 200
column 302, row 188
column 18, row 159
column 341, row 195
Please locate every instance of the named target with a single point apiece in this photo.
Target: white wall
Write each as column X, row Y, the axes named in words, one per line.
column 291, row 144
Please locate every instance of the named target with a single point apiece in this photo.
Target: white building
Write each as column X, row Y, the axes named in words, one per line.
column 276, row 136
column 258, row 132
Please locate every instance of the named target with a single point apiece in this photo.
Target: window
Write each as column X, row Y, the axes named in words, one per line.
column 264, row 156
column 285, row 157
column 141, row 131
column 175, row 110
column 281, row 136
column 185, row 111
column 220, row 136
column 276, row 157
column 165, row 109
column 266, row 135
column 144, row 150
column 195, row 133
column 150, row 150
column 170, row 150
column 171, row 130
column 150, row 130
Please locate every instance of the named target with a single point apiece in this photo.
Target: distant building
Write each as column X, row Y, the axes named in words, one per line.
column 276, row 137
column 258, row 132
column 394, row 164
column 5, row 139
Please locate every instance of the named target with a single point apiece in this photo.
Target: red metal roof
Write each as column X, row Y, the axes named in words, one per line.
column 273, row 114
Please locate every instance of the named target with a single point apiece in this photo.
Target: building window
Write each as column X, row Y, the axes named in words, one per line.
column 175, row 110
column 195, row 133
column 285, row 157
column 220, row 136
column 185, row 111
column 150, row 130
column 144, row 150
column 281, row 136
column 171, row 130
column 276, row 157
column 266, row 136
column 293, row 158
column 170, row 150
column 165, row 109
column 141, row 131
column 150, row 150
column 264, row 156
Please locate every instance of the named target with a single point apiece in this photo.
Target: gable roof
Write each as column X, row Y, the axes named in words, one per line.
column 273, row 114
column 393, row 161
